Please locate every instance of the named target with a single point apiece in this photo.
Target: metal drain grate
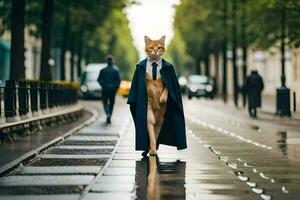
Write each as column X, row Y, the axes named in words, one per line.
column 55, row 189
column 69, row 162
column 79, row 151
column 100, row 143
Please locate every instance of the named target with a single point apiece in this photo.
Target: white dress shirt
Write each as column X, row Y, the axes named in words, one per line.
column 149, row 67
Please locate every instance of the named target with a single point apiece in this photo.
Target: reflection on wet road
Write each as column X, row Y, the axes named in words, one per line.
column 195, row 173
column 265, row 157
column 227, row 158
column 160, row 180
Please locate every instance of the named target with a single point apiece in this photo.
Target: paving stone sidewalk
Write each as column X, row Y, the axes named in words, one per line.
column 195, row 173
column 63, row 171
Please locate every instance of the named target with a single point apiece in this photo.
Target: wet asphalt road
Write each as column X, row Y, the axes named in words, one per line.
column 228, row 157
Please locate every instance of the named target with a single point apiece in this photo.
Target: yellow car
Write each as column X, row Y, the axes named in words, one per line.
column 124, row 88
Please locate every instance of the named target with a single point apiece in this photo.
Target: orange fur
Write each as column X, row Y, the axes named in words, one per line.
column 156, row 109
column 157, row 95
column 155, row 48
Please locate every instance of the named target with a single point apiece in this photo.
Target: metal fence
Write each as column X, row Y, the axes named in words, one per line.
column 23, row 98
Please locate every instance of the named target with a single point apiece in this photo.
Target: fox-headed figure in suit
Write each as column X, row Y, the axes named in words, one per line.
column 155, row 102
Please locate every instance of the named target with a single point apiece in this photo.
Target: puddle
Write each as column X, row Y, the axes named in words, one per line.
column 256, row 128
column 154, row 178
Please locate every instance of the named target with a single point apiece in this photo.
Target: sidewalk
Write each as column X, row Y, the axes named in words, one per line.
column 194, row 173
column 62, row 171
column 25, row 146
column 269, row 106
column 266, row 114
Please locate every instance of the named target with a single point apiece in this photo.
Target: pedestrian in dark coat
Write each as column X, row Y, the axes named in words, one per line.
column 173, row 128
column 253, row 87
column 109, row 79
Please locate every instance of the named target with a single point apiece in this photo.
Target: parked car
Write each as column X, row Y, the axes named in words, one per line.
column 200, row 86
column 89, row 87
column 124, row 88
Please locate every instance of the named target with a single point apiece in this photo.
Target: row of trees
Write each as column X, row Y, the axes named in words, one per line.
column 88, row 29
column 204, row 28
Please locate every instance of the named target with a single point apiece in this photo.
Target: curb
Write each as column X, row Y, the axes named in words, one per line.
column 45, row 116
column 26, row 157
column 86, row 190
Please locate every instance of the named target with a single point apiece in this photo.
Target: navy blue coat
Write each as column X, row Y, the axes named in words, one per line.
column 253, row 87
column 173, row 129
column 109, row 79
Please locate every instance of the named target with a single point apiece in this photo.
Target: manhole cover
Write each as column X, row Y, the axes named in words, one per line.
column 79, row 151
column 69, row 162
column 61, row 189
column 100, row 143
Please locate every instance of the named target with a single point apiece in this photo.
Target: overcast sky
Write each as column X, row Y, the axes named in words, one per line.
column 153, row 18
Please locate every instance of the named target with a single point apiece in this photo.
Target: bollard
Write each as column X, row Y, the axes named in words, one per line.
column 23, row 98
column 75, row 98
column 67, row 97
column 33, row 96
column 50, row 95
column 59, row 94
column 295, row 102
column 55, row 96
column 10, row 98
column 43, row 96
column 283, row 102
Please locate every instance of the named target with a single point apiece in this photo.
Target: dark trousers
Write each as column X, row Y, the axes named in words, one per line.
column 108, row 102
column 252, row 111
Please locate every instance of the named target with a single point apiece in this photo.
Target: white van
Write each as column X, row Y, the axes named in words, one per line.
column 89, row 87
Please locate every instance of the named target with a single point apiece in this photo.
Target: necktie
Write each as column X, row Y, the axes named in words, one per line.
column 154, row 70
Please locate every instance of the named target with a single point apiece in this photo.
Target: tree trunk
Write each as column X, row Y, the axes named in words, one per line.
column 87, row 56
column 197, row 69
column 64, row 45
column 17, row 58
column 45, row 73
column 216, row 75
column 79, row 52
column 244, row 49
column 73, row 53
column 234, row 53
column 206, row 64
column 224, row 52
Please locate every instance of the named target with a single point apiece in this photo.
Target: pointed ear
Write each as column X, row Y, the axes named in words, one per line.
column 147, row 39
column 162, row 39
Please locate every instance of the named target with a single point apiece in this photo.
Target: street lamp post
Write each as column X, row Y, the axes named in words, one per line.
column 283, row 93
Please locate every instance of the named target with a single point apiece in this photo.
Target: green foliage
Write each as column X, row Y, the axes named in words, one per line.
column 94, row 28
column 201, row 24
column 116, row 39
column 177, row 54
column 5, row 7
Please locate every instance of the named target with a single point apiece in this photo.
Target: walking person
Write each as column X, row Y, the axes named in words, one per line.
column 253, row 86
column 109, row 79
